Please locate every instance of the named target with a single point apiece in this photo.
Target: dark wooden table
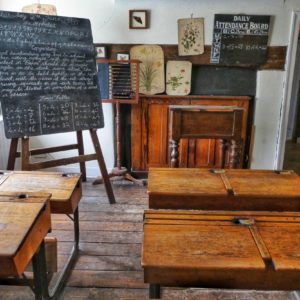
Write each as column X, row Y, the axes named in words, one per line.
column 65, row 190
column 238, row 250
column 23, row 227
column 229, row 189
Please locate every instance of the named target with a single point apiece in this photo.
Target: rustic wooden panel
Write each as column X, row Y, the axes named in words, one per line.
column 275, row 57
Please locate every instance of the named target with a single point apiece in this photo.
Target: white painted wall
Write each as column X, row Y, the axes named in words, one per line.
column 112, row 27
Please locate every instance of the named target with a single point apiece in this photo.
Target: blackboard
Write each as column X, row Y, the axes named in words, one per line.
column 232, row 81
column 240, row 39
column 48, row 75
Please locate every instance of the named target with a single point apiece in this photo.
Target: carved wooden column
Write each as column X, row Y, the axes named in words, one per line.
column 174, row 154
column 234, row 154
column 221, row 151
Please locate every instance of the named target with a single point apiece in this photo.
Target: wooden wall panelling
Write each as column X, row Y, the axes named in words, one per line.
column 276, row 56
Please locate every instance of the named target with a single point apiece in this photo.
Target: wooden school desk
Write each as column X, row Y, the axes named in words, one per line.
column 237, row 250
column 229, row 189
column 65, row 190
column 23, row 227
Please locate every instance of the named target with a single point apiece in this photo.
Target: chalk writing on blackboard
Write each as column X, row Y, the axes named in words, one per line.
column 48, row 76
column 240, row 39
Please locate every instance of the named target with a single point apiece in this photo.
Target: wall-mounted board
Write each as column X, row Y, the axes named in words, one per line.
column 240, row 39
column 233, row 81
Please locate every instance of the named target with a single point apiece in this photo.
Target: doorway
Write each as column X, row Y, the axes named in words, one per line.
column 292, row 145
column 288, row 146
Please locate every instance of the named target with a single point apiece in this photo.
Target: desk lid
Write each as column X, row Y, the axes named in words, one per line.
column 221, row 240
column 228, row 182
column 264, row 183
column 16, row 219
column 59, row 185
column 185, row 181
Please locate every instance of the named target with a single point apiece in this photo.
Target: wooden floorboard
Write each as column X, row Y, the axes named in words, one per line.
column 108, row 267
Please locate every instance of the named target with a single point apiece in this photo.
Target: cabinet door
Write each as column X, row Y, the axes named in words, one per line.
column 156, row 126
column 201, row 153
column 149, row 134
column 156, row 129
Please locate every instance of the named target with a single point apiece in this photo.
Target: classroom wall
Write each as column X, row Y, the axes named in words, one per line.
column 110, row 25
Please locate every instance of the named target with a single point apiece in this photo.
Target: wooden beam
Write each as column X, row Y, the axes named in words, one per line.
column 276, row 56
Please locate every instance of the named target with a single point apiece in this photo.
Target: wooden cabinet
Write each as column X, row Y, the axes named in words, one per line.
column 150, row 132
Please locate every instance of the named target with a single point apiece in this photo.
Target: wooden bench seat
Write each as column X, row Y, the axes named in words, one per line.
column 238, row 250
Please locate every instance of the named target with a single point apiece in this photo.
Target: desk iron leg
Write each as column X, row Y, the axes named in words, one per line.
column 76, row 228
column 65, row 272
column 40, row 274
column 154, row 291
column 40, row 280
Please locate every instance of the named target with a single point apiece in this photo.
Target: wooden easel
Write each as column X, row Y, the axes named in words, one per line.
column 25, row 154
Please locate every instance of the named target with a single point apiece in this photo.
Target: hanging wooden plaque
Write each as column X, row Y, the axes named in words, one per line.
column 178, row 77
column 152, row 73
column 190, row 36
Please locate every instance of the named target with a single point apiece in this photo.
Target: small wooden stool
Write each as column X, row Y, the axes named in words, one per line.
column 65, row 190
column 236, row 250
column 230, row 189
column 23, row 227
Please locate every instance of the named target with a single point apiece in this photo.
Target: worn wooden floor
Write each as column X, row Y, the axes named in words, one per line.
column 108, row 267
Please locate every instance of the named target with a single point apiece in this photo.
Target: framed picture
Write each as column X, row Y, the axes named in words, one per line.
column 122, row 56
column 138, row 19
column 101, row 51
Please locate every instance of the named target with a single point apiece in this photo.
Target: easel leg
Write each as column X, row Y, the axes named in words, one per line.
column 81, row 152
column 102, row 166
column 12, row 153
column 25, row 154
